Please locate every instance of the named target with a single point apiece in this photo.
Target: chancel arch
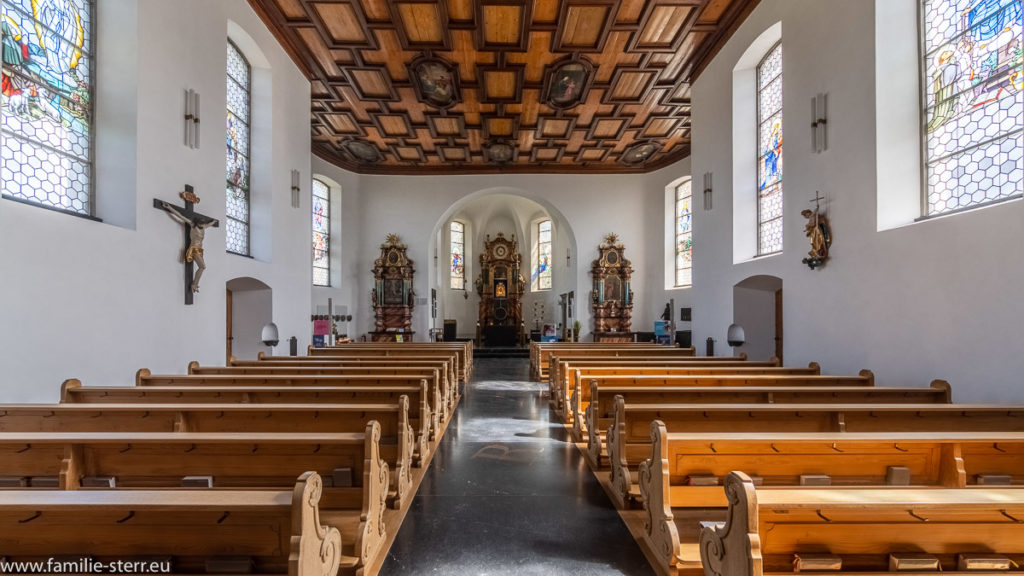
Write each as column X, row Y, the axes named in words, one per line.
column 510, row 212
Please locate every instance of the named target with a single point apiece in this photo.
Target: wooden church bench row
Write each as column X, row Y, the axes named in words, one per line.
column 399, row 439
column 725, row 379
column 599, row 414
column 275, row 531
column 629, row 438
column 861, row 531
column 442, row 400
column 541, row 351
column 569, row 370
column 651, row 375
column 445, row 365
column 430, row 372
column 462, row 353
column 628, row 351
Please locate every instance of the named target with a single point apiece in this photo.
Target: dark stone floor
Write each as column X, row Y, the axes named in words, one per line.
column 507, row 493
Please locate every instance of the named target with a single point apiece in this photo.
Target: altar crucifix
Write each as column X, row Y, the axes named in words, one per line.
column 195, row 231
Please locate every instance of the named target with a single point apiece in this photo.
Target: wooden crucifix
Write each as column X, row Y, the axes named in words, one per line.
column 195, row 231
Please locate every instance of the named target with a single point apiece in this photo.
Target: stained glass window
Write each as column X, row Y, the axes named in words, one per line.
column 769, row 151
column 239, row 91
column 458, row 255
column 974, row 105
column 46, row 107
column 684, row 234
column 542, row 270
column 321, row 234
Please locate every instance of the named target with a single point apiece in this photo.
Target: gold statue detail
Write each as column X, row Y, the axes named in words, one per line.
column 819, row 231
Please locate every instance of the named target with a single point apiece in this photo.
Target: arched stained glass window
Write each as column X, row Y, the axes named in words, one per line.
column 458, row 255
column 46, row 107
column 684, row 234
column 769, row 150
column 321, row 234
column 973, row 85
column 542, row 264
column 239, row 97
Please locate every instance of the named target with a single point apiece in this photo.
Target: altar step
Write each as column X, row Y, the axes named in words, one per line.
column 501, row 352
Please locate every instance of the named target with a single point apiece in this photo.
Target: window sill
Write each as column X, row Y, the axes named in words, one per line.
column 250, row 257
column 51, row 208
column 964, row 209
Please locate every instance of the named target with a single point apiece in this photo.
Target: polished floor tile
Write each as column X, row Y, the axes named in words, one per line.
column 507, row 493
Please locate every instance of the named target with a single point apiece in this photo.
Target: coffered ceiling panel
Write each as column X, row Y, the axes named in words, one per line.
column 464, row 86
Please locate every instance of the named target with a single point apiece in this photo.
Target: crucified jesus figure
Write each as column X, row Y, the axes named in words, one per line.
column 197, row 226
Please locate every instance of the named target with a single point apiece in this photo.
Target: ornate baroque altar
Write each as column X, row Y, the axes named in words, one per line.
column 392, row 294
column 612, row 300
column 500, row 286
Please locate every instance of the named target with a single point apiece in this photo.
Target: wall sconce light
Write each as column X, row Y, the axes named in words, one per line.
column 707, row 191
column 192, row 119
column 295, row 189
column 819, row 123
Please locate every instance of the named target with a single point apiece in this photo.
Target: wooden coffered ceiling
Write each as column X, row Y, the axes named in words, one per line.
column 469, row 86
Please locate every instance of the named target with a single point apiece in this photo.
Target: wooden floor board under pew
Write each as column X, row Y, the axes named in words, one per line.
column 279, row 532
column 540, row 352
column 438, row 397
column 629, row 441
column 569, row 369
column 579, row 379
column 862, row 532
column 600, row 410
column 391, row 420
column 461, row 352
column 628, row 351
column 449, row 384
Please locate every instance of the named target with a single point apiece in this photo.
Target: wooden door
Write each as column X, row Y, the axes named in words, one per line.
column 778, row 324
column 227, row 331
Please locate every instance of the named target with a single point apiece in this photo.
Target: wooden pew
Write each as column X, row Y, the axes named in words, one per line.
column 280, row 531
column 607, row 353
column 539, row 351
column 868, row 531
column 462, row 354
column 864, row 378
column 569, row 369
column 72, row 392
column 600, row 411
column 581, row 379
column 318, row 419
column 629, row 442
column 432, row 373
column 145, row 378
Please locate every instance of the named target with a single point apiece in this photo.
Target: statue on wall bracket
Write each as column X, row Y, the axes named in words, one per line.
column 819, row 231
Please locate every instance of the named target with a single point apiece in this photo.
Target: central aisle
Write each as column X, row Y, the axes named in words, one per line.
column 508, row 493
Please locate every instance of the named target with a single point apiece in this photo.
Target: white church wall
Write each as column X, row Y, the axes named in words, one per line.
column 935, row 299
column 97, row 301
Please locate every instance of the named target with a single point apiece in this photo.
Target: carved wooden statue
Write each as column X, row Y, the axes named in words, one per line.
column 392, row 296
column 500, row 286
column 611, row 298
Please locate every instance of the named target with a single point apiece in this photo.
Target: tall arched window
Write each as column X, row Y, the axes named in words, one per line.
column 321, row 233
column 684, row 234
column 542, row 262
column 974, row 120
column 458, row 255
column 46, row 110
column 769, row 150
column 239, row 98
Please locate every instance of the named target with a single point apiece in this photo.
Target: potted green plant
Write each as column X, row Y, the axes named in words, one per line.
column 576, row 331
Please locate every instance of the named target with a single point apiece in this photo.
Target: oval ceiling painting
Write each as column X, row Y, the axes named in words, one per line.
column 362, row 151
column 436, row 81
column 568, row 83
column 640, row 152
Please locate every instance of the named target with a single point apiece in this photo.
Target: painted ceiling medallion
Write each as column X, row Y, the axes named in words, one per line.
column 640, row 152
column 435, row 80
column 363, row 152
column 567, row 82
column 499, row 152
